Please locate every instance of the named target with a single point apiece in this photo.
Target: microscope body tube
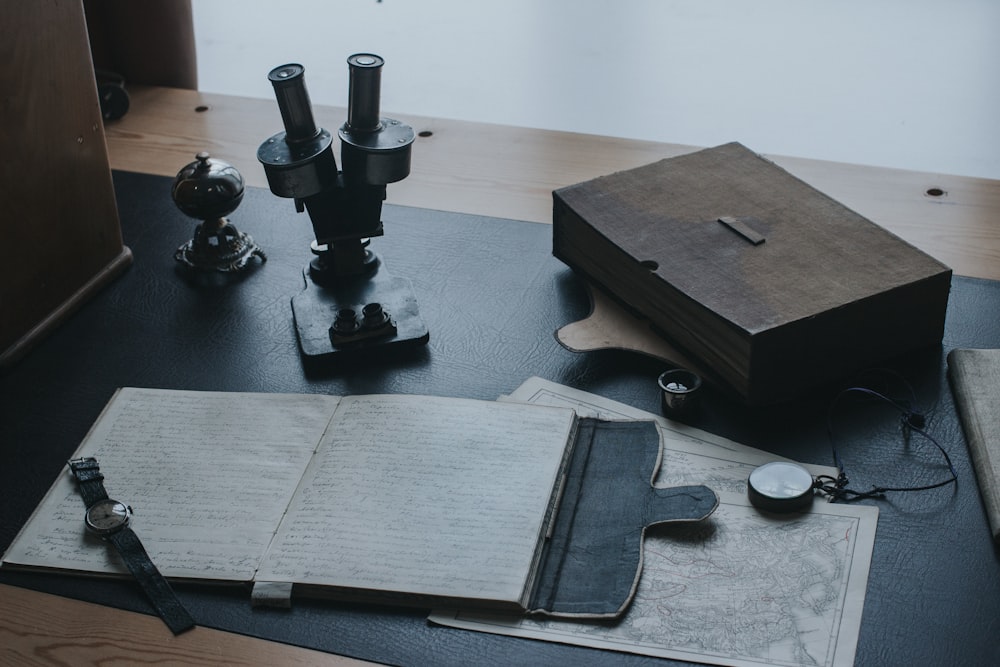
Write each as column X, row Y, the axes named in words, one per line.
column 374, row 150
column 289, row 86
column 364, row 92
column 298, row 162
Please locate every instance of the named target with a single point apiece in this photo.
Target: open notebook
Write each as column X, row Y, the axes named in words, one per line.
column 405, row 499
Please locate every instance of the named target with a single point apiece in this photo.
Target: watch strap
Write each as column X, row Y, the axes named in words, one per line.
column 156, row 587
column 90, row 479
column 91, row 484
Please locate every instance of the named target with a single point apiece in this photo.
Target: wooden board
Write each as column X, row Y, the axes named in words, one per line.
column 62, row 240
column 510, row 172
column 609, row 326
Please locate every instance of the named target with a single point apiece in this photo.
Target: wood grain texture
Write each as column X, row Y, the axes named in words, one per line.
column 42, row 629
column 60, row 221
column 770, row 319
column 510, row 172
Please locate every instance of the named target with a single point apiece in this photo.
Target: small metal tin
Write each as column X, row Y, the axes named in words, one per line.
column 680, row 388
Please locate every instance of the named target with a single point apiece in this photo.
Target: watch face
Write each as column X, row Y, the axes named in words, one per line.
column 107, row 516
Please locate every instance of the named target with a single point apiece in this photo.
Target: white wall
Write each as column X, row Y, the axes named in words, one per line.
column 913, row 84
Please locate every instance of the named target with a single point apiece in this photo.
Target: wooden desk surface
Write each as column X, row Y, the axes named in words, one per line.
column 466, row 167
column 510, row 172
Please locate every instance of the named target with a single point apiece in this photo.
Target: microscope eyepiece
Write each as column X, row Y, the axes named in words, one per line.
column 299, row 162
column 364, row 92
column 293, row 102
column 286, row 73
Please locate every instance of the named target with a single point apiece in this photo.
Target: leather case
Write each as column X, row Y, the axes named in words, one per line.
column 592, row 564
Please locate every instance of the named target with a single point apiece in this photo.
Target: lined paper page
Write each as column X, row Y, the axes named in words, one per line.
column 208, row 476
column 424, row 495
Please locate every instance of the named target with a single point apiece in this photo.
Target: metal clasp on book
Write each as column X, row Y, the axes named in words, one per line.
column 742, row 226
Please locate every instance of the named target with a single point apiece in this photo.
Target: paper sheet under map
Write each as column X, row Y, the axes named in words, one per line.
column 742, row 588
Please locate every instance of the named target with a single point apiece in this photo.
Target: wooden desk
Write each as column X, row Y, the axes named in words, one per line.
column 510, row 172
column 465, row 167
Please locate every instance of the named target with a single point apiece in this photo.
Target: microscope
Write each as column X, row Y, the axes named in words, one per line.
column 350, row 304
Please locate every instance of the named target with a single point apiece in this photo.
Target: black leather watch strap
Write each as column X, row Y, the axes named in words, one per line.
column 91, row 480
column 155, row 586
column 161, row 595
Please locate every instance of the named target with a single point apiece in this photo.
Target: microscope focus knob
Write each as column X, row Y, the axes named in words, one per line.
column 207, row 188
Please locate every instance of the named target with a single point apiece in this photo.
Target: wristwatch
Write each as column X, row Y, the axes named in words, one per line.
column 110, row 520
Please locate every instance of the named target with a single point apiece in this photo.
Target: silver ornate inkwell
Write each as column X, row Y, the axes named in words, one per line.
column 209, row 190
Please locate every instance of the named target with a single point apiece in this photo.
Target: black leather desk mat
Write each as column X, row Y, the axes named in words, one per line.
column 492, row 296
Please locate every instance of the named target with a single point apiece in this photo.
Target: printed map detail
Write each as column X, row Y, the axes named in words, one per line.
column 739, row 589
column 742, row 588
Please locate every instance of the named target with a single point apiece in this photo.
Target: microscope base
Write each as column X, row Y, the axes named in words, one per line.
column 316, row 308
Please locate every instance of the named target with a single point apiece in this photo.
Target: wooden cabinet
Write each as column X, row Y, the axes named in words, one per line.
column 60, row 239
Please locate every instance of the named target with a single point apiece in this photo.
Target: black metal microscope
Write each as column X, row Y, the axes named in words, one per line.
column 350, row 303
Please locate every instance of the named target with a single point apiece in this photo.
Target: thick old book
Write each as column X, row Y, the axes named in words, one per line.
column 975, row 384
column 771, row 286
column 405, row 499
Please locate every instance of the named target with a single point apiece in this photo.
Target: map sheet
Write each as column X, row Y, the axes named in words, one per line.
column 743, row 588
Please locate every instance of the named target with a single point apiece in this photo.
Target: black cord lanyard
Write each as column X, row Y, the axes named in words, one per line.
column 911, row 422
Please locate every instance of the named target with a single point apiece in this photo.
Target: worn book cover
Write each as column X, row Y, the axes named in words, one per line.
column 975, row 383
column 770, row 285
